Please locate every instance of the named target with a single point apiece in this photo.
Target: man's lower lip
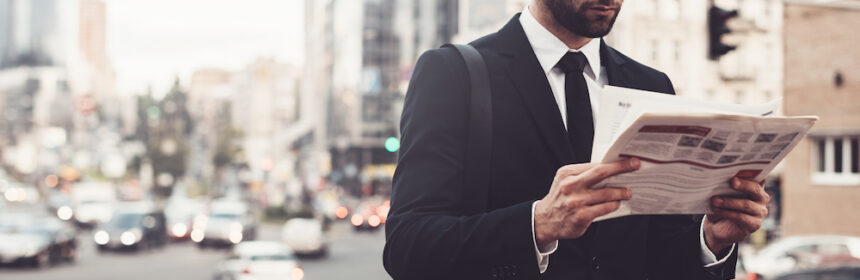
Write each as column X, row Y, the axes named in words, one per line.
column 604, row 12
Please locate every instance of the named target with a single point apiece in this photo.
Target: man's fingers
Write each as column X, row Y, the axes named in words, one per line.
column 590, row 213
column 743, row 220
column 605, row 170
column 607, row 195
column 754, row 190
column 574, row 169
column 740, row 205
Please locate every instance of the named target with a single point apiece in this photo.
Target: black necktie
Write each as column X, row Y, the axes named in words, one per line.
column 580, row 122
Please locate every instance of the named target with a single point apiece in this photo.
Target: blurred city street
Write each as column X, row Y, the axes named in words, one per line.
column 140, row 139
column 354, row 255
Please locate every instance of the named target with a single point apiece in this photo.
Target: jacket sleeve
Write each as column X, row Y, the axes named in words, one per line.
column 428, row 234
column 676, row 251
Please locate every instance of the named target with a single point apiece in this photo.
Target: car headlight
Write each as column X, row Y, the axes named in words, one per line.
column 101, row 237
column 373, row 221
column 297, row 273
column 235, row 236
column 179, row 229
column 197, row 235
column 356, row 220
column 64, row 213
column 130, row 237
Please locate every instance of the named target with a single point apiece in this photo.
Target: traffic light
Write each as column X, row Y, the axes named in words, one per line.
column 392, row 144
column 717, row 19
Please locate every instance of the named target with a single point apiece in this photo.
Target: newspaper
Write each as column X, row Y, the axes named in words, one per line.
column 689, row 149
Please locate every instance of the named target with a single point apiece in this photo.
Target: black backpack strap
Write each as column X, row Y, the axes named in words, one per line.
column 477, row 168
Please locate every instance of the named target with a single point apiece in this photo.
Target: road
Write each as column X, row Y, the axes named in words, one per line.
column 352, row 255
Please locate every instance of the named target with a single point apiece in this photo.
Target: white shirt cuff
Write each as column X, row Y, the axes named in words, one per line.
column 708, row 257
column 542, row 252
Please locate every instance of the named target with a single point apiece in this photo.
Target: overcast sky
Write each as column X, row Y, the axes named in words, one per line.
column 152, row 41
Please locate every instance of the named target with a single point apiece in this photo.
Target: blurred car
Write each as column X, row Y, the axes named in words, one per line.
column 228, row 223
column 61, row 205
column 180, row 215
column 260, row 260
column 35, row 238
column 791, row 253
column 366, row 217
column 93, row 203
column 305, row 237
column 132, row 227
column 20, row 193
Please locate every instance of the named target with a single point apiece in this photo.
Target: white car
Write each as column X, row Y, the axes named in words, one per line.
column 790, row 253
column 20, row 193
column 305, row 236
column 93, row 202
column 260, row 260
column 228, row 223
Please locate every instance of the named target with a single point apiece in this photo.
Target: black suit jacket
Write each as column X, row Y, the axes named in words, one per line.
column 430, row 234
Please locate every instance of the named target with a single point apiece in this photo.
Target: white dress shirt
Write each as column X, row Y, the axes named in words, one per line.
column 549, row 50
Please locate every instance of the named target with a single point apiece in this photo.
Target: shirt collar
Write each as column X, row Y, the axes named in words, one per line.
column 549, row 49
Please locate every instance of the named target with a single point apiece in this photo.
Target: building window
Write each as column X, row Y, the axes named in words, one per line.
column 837, row 160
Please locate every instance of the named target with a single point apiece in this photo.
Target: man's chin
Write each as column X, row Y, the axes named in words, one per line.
column 597, row 31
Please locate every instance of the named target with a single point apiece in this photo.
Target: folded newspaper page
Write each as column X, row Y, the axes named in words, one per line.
column 689, row 149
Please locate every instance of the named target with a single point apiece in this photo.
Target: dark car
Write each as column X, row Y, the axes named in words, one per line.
column 132, row 229
column 35, row 238
column 838, row 273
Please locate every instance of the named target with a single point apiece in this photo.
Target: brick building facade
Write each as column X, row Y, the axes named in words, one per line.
column 821, row 182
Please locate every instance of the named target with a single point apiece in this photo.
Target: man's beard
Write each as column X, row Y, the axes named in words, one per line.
column 577, row 21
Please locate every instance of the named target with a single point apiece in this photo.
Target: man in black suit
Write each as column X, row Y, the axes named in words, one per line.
column 546, row 72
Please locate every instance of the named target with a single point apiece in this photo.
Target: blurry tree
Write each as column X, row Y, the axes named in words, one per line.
column 169, row 128
column 227, row 149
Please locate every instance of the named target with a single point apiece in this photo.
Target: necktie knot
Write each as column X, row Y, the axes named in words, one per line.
column 572, row 62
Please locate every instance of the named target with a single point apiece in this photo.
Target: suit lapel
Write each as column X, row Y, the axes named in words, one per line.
column 532, row 85
column 613, row 62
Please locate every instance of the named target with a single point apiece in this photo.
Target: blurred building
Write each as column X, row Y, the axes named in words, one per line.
column 56, row 84
column 255, row 121
column 360, row 58
column 822, row 178
column 212, row 145
column 477, row 18
column 266, row 107
column 672, row 36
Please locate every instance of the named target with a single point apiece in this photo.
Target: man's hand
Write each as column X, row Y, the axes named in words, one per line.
column 571, row 205
column 735, row 218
